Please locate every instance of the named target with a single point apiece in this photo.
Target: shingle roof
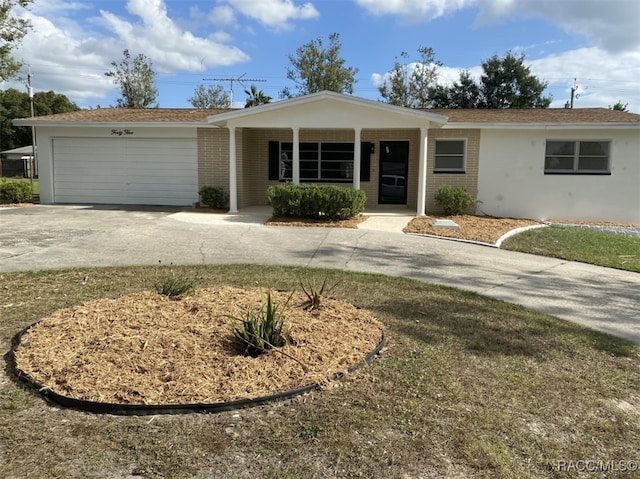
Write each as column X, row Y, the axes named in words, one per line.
column 133, row 115
column 538, row 115
column 506, row 116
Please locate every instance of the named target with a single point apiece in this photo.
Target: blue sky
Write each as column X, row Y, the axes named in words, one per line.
column 597, row 43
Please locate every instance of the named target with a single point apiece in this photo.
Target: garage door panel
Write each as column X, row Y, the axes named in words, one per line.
column 125, row 171
column 115, row 173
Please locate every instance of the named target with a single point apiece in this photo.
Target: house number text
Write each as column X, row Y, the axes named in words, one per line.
column 124, row 132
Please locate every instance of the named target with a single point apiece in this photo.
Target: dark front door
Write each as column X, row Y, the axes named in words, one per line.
column 394, row 166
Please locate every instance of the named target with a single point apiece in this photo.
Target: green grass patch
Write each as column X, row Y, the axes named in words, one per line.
column 467, row 386
column 580, row 244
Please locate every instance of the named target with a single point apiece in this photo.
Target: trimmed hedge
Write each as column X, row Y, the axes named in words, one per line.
column 326, row 202
column 15, row 191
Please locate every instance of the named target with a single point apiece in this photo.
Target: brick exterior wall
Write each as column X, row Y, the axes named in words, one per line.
column 213, row 157
column 468, row 180
column 252, row 147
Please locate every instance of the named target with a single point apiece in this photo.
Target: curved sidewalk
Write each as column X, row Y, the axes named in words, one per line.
column 48, row 237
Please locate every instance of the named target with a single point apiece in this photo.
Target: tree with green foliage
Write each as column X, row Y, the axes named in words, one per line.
column 12, row 30
column 210, row 97
column 136, row 80
column 410, row 84
column 316, row 67
column 505, row 83
column 15, row 104
column 619, row 106
column 508, row 83
column 256, row 97
column 464, row 93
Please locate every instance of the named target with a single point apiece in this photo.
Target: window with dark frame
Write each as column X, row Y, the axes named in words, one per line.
column 449, row 156
column 577, row 157
column 319, row 161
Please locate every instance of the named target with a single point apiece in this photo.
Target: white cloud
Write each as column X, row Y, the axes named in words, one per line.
column 69, row 51
column 613, row 24
column 602, row 78
column 414, row 10
column 73, row 66
column 56, row 7
column 275, row 14
column 222, row 16
column 169, row 48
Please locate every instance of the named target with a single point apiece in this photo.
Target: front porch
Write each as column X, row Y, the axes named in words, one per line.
column 325, row 119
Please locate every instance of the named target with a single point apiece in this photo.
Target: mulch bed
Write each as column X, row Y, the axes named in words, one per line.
column 146, row 348
column 484, row 229
column 292, row 221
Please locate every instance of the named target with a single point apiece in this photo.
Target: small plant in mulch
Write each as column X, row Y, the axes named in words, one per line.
column 172, row 284
column 263, row 329
column 315, row 294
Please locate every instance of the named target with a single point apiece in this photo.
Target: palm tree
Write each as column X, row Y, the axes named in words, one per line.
column 256, row 97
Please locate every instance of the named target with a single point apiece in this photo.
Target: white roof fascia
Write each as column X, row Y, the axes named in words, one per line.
column 233, row 116
column 542, row 126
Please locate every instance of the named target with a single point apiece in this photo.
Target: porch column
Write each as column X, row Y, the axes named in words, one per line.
column 356, row 159
column 296, row 156
column 233, row 175
column 422, row 172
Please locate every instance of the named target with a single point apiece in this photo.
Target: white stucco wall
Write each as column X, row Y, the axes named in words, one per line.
column 512, row 183
column 46, row 134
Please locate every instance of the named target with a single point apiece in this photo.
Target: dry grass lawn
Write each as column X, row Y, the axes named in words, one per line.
column 466, row 387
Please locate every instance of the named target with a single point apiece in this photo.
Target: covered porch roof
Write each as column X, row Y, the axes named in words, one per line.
column 328, row 110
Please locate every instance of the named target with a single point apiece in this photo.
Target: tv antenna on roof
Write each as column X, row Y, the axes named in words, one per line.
column 239, row 79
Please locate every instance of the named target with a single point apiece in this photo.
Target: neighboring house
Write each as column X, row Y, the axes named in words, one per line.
column 18, row 162
column 574, row 164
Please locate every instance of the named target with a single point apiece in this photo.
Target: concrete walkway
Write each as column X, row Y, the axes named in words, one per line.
column 48, row 237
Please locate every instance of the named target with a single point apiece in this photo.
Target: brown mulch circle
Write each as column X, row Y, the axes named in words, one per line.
column 146, row 348
column 484, row 229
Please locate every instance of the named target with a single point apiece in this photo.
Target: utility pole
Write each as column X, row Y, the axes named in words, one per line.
column 239, row 79
column 32, row 161
column 574, row 88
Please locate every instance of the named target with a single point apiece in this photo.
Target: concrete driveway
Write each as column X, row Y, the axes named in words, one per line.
column 48, row 237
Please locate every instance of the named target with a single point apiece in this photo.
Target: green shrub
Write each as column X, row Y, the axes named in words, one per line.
column 453, row 200
column 327, row 202
column 214, row 196
column 15, row 191
column 263, row 329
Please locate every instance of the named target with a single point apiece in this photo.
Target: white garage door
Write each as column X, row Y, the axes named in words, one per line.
column 125, row 171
